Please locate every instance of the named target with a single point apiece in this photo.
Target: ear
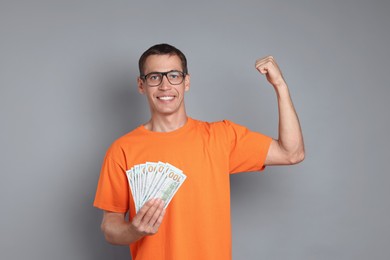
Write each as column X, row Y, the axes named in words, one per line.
column 187, row 82
column 141, row 86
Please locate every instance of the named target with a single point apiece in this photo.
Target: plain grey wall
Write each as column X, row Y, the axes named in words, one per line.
column 68, row 89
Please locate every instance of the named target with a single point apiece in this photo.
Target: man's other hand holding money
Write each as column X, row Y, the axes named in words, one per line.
column 146, row 222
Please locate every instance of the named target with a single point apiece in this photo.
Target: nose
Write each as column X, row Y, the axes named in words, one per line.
column 164, row 83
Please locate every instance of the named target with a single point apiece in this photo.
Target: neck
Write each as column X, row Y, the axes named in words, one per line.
column 166, row 123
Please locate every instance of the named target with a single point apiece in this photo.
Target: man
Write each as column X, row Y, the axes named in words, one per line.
column 196, row 223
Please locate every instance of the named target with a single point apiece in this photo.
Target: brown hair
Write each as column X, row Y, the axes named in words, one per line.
column 162, row 49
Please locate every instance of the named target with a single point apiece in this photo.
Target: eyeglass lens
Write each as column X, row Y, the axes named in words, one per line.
column 155, row 78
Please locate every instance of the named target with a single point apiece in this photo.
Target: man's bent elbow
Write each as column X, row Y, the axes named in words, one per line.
column 107, row 234
column 297, row 157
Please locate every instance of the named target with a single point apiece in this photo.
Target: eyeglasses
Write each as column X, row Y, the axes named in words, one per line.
column 154, row 79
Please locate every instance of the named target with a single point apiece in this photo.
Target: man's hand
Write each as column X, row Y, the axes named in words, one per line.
column 268, row 66
column 118, row 231
column 149, row 218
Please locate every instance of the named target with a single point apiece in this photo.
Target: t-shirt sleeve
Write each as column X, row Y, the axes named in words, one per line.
column 112, row 192
column 248, row 149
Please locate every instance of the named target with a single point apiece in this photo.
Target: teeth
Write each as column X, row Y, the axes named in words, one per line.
column 166, row 98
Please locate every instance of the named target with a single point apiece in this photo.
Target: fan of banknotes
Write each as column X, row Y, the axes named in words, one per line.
column 154, row 180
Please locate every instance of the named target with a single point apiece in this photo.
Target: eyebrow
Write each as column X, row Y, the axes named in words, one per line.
column 158, row 72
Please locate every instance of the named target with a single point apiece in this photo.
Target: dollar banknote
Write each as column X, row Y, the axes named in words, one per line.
column 154, row 180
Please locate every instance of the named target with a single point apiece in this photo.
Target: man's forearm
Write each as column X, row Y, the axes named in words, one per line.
column 290, row 134
column 118, row 231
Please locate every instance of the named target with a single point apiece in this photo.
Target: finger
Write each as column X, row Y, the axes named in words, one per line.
column 268, row 66
column 150, row 226
column 142, row 212
column 150, row 211
column 160, row 218
column 264, row 68
column 157, row 213
column 153, row 228
column 262, row 61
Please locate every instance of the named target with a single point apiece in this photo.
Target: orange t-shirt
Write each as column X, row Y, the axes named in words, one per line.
column 197, row 221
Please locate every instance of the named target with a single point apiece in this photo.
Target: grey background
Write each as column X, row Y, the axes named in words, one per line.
column 68, row 89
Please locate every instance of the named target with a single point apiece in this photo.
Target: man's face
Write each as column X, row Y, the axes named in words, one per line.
column 164, row 99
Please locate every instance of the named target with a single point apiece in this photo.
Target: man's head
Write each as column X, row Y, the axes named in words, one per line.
column 162, row 49
column 164, row 79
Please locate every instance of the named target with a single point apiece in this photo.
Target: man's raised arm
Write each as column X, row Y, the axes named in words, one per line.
column 289, row 148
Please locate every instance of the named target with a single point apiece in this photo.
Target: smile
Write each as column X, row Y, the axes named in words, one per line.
column 166, row 98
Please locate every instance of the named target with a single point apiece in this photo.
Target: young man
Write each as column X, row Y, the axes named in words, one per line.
column 196, row 223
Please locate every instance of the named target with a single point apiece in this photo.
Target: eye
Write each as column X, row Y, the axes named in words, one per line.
column 154, row 77
column 174, row 75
